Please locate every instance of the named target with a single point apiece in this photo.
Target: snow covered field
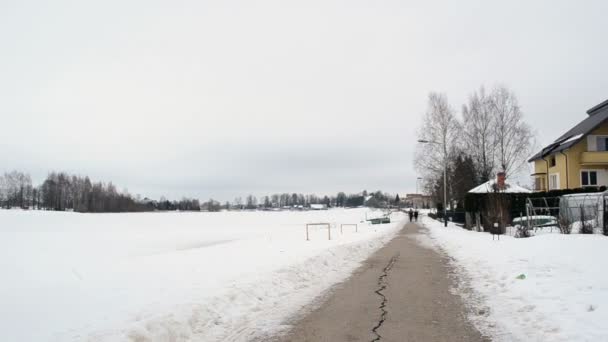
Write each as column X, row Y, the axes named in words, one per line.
column 224, row 276
column 564, row 296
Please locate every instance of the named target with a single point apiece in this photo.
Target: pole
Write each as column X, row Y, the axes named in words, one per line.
column 445, row 176
column 445, row 186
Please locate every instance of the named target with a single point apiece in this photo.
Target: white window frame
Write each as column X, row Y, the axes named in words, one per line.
column 592, row 142
column 555, row 186
column 597, row 177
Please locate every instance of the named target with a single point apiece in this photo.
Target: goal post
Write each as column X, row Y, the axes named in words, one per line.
column 349, row 225
column 318, row 224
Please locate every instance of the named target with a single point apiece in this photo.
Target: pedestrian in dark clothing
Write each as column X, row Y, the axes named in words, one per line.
column 416, row 215
column 411, row 214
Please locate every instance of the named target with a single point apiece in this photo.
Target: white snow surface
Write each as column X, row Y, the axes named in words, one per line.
column 488, row 187
column 572, row 138
column 564, row 296
column 230, row 276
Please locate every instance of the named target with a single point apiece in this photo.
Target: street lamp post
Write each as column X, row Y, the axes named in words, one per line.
column 445, row 178
column 418, row 191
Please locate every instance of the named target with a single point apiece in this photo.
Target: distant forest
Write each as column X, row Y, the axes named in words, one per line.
column 61, row 191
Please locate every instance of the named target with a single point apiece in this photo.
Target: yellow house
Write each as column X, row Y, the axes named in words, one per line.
column 579, row 158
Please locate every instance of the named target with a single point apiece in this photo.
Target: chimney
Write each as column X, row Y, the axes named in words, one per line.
column 500, row 180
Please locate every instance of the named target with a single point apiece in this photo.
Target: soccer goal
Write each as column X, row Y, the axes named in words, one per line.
column 349, row 225
column 318, row 224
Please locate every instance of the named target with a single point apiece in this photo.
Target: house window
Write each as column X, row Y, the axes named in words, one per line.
column 539, row 184
column 589, row 178
column 554, row 181
column 552, row 162
column 602, row 143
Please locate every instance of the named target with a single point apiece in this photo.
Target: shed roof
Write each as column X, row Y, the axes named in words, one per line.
column 488, row 187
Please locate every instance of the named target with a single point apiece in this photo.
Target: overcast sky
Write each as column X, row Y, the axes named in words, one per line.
column 225, row 98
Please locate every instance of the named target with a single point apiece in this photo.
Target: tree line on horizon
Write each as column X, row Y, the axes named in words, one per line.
column 61, row 191
column 376, row 199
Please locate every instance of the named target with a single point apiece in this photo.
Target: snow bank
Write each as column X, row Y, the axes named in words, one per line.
column 170, row 276
column 564, row 296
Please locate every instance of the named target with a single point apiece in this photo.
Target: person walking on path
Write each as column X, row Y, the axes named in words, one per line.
column 411, row 214
column 415, row 215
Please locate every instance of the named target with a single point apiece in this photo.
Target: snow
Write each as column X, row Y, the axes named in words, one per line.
column 488, row 187
column 318, row 206
column 572, row 138
column 518, row 220
column 564, row 296
column 228, row 276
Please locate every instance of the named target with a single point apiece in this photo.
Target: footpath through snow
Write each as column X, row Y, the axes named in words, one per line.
column 562, row 295
column 170, row 276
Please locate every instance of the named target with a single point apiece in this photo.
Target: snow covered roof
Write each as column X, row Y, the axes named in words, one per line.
column 488, row 187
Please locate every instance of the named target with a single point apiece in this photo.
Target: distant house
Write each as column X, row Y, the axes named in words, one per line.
column 318, row 206
column 578, row 158
column 417, row 200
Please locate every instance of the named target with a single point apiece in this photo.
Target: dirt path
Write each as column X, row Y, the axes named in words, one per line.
column 401, row 293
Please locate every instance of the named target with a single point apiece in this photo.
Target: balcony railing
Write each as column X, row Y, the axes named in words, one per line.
column 594, row 157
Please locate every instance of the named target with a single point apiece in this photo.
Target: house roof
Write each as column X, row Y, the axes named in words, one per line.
column 488, row 187
column 597, row 107
column 597, row 115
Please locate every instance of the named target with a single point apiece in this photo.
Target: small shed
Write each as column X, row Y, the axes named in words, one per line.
column 493, row 204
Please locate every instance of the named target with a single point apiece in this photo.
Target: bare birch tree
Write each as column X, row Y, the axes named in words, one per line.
column 479, row 133
column 4, row 191
column 513, row 137
column 441, row 129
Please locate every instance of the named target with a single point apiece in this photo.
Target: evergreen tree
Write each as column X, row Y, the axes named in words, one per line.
column 463, row 178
